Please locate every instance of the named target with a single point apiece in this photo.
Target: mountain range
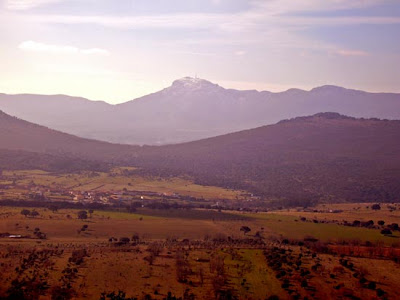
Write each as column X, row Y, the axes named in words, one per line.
column 324, row 157
column 192, row 109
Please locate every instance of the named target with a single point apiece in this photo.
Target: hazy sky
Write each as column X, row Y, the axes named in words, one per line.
column 117, row 50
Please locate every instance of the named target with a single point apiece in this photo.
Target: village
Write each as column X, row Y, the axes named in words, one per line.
column 96, row 190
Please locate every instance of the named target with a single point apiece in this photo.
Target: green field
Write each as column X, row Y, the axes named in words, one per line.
column 289, row 226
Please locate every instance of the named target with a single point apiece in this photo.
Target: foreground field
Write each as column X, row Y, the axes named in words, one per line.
column 192, row 254
column 388, row 212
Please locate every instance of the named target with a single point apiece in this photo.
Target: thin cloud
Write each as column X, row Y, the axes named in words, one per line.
column 252, row 20
column 196, row 53
column 189, row 21
column 59, row 49
column 26, row 4
column 240, row 53
column 351, row 53
column 251, row 27
column 267, row 22
column 272, row 6
column 276, row 7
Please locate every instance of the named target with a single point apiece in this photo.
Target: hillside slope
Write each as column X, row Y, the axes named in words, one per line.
column 324, row 157
column 20, row 135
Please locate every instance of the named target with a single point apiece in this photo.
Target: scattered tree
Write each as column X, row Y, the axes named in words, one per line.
column 34, row 213
column 124, row 240
column 376, row 207
column 25, row 212
column 386, row 231
column 82, row 215
column 245, row 229
column 53, row 208
column 135, row 237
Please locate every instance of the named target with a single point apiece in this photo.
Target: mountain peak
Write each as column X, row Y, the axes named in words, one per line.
column 328, row 89
column 332, row 115
column 192, row 83
column 190, row 80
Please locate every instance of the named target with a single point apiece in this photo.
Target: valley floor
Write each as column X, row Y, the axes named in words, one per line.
column 195, row 254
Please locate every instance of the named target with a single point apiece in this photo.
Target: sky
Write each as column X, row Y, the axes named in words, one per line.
column 118, row 50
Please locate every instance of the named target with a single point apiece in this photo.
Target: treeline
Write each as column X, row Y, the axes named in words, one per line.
column 291, row 184
column 24, row 160
column 54, row 205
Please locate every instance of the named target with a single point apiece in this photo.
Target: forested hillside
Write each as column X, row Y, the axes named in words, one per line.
column 325, row 157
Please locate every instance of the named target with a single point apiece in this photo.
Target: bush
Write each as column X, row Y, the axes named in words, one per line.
column 386, row 231
column 376, row 207
column 380, row 292
column 124, row 240
column 82, row 214
column 34, row 213
column 25, row 212
column 372, row 285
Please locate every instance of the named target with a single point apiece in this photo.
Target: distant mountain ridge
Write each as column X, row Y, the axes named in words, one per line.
column 192, row 109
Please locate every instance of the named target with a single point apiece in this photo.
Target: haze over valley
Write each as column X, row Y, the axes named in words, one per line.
column 192, row 109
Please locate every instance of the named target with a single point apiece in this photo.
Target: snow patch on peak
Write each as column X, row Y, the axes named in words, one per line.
column 189, row 80
column 192, row 83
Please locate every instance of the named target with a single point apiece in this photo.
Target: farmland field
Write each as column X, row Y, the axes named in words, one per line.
column 288, row 225
column 202, row 254
column 116, row 180
column 63, row 236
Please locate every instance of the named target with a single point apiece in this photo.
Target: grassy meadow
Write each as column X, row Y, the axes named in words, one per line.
column 115, row 181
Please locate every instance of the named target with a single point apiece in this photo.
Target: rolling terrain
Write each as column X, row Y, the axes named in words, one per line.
column 62, row 235
column 192, row 109
column 324, row 157
column 23, row 136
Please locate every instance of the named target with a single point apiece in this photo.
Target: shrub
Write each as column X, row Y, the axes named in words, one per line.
column 124, row 240
column 25, row 212
column 376, row 207
column 82, row 215
column 386, row 231
column 372, row 285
